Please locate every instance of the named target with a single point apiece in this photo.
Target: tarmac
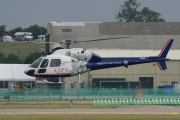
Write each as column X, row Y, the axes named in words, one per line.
column 122, row 109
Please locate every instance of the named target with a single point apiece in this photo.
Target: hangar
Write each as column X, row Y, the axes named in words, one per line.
column 144, row 39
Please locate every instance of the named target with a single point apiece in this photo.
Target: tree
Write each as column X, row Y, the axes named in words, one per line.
column 13, row 31
column 36, row 30
column 2, row 57
column 12, row 58
column 129, row 13
column 2, row 30
column 31, row 58
column 147, row 15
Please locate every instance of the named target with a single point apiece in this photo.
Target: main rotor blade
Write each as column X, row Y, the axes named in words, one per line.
column 38, row 42
column 101, row 39
column 49, row 42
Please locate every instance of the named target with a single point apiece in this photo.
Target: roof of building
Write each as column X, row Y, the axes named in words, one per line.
column 14, row 72
column 141, row 35
column 149, row 36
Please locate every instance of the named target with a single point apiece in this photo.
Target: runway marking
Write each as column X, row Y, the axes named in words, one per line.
column 174, row 113
column 164, row 106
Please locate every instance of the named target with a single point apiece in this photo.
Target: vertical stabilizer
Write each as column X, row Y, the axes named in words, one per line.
column 161, row 63
column 166, row 48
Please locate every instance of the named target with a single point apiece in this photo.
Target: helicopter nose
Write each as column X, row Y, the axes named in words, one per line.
column 29, row 72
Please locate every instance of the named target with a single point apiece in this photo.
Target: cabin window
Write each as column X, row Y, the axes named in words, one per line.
column 36, row 63
column 55, row 63
column 44, row 63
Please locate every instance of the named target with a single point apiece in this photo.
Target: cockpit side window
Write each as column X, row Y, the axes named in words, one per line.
column 55, row 63
column 44, row 63
column 36, row 63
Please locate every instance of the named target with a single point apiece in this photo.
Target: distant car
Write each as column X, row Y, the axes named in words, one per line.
column 28, row 38
column 6, row 38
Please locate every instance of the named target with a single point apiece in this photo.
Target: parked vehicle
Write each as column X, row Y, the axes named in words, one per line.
column 41, row 38
column 6, row 38
column 23, row 36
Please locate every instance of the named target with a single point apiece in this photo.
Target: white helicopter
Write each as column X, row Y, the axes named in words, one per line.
column 75, row 61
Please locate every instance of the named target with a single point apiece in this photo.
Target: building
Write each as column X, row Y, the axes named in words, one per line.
column 144, row 39
column 12, row 75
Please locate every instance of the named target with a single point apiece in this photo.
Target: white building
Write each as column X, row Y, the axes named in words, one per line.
column 13, row 74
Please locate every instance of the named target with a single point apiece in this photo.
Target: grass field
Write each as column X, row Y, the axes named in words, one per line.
column 88, row 117
column 21, row 49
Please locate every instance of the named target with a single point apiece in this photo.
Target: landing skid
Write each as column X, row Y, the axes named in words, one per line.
column 79, row 80
column 53, row 82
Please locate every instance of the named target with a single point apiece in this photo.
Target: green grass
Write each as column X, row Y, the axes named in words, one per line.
column 21, row 49
column 88, row 117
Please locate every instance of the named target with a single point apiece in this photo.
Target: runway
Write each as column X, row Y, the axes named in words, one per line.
column 141, row 109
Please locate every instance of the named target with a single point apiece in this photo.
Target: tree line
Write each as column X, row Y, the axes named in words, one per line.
column 34, row 29
column 14, row 59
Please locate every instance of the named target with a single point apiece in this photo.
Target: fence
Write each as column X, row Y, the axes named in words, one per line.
column 85, row 94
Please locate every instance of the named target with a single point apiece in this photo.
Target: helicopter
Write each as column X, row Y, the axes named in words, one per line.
column 75, row 61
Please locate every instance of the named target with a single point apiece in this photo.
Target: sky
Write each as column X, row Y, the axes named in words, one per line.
column 23, row 13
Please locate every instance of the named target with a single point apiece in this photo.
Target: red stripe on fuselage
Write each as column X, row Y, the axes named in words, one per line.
column 164, row 47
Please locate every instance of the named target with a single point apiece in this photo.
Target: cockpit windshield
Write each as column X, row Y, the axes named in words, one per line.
column 36, row 63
